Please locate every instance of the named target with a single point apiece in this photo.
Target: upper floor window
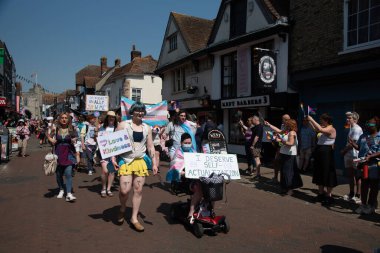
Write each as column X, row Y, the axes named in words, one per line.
column 238, row 19
column 362, row 23
column 179, row 80
column 172, row 42
column 136, row 94
column 229, row 75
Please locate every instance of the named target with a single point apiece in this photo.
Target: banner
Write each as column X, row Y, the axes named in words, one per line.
column 156, row 115
column 113, row 144
column 96, row 103
column 202, row 165
column 265, row 70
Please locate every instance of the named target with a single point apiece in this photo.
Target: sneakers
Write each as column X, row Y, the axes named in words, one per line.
column 90, row 172
column 257, row 177
column 70, row 197
column 60, row 194
column 348, row 197
column 356, row 200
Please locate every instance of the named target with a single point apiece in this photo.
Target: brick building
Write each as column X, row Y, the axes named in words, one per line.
column 335, row 58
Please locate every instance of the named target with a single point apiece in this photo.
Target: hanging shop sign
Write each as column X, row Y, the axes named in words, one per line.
column 266, row 70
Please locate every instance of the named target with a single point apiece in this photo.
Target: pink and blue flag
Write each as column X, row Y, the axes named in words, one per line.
column 156, row 114
column 311, row 111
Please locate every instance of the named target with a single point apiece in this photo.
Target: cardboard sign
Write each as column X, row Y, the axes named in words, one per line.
column 96, row 103
column 202, row 165
column 113, row 144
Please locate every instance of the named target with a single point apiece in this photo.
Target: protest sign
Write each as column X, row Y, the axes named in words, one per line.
column 113, row 144
column 96, row 103
column 202, row 165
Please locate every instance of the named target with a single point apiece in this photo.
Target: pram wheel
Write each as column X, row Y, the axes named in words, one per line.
column 198, row 229
column 226, row 226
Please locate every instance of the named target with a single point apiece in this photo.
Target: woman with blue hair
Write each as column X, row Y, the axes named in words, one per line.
column 132, row 166
column 176, row 128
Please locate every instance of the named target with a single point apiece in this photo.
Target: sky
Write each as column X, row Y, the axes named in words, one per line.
column 57, row 38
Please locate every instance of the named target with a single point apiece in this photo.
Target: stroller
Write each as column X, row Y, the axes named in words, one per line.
column 204, row 216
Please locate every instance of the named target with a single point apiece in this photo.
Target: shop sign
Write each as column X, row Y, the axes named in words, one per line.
column 245, row 102
column 266, row 71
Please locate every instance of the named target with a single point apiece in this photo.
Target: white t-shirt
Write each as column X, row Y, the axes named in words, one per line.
column 354, row 134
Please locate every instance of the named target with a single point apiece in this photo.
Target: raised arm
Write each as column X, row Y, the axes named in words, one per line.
column 277, row 130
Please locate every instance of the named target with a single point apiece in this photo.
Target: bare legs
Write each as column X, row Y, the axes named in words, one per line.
column 106, row 176
column 126, row 184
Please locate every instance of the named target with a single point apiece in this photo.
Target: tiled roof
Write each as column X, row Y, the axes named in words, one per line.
column 89, row 71
column 144, row 65
column 195, row 31
column 90, row 81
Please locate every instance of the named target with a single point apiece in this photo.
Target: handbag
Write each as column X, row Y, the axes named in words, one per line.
column 50, row 164
column 169, row 143
column 148, row 161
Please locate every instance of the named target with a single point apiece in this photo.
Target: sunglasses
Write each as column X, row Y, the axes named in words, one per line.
column 370, row 124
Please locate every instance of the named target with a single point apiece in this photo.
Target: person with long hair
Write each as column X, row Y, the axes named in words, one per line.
column 290, row 176
column 63, row 138
column 176, row 128
column 108, row 169
column 247, row 132
column 324, row 173
column 132, row 166
column 89, row 145
column 369, row 149
column 23, row 134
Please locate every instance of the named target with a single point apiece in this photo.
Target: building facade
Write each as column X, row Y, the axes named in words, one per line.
column 7, row 80
column 335, row 60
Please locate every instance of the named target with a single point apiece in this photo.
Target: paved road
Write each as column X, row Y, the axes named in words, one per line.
column 34, row 220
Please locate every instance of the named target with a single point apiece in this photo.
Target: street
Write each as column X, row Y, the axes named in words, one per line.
column 261, row 220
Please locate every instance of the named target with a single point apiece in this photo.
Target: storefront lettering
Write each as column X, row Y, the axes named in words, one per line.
column 252, row 101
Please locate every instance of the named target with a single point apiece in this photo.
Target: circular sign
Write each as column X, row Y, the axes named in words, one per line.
column 267, row 69
column 97, row 114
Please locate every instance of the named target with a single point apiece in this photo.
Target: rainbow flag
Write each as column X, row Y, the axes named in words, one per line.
column 156, row 114
column 311, row 111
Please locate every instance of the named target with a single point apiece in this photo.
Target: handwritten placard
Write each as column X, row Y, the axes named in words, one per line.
column 96, row 103
column 202, row 165
column 113, row 144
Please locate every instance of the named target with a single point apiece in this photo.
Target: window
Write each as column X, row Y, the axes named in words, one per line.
column 136, row 94
column 172, row 42
column 179, row 80
column 229, row 77
column 362, row 23
column 238, row 18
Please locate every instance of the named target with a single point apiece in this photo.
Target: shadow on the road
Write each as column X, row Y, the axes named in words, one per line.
column 163, row 186
column 52, row 193
column 110, row 215
column 375, row 217
column 165, row 209
column 337, row 249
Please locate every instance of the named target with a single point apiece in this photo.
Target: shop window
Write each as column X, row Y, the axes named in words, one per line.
column 361, row 23
column 229, row 69
column 235, row 134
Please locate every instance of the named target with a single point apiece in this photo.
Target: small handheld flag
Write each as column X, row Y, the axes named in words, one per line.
column 311, row 111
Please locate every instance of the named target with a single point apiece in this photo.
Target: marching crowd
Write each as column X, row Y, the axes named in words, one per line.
column 74, row 139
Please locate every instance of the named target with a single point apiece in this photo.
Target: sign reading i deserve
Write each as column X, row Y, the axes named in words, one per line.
column 202, row 165
column 96, row 103
column 113, row 144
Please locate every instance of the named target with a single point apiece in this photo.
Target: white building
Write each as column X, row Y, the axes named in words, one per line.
column 134, row 80
column 247, row 52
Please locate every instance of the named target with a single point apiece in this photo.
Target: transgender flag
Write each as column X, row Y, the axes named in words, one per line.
column 156, row 115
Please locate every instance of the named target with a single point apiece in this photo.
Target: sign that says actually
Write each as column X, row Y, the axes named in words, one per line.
column 113, row 144
column 96, row 103
column 202, row 165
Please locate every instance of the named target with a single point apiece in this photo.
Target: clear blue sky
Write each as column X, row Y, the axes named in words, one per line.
column 56, row 38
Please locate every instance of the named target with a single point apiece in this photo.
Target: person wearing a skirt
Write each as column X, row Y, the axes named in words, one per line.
column 324, row 173
column 290, row 176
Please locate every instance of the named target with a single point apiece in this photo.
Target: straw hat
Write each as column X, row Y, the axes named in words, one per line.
column 111, row 113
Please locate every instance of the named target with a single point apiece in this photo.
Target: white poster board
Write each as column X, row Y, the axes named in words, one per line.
column 113, row 144
column 96, row 103
column 202, row 165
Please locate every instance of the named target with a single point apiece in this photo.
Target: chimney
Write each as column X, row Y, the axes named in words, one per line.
column 117, row 62
column 103, row 65
column 135, row 53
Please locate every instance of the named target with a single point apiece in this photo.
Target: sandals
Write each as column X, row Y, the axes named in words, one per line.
column 109, row 193
column 103, row 193
column 120, row 217
column 137, row 226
